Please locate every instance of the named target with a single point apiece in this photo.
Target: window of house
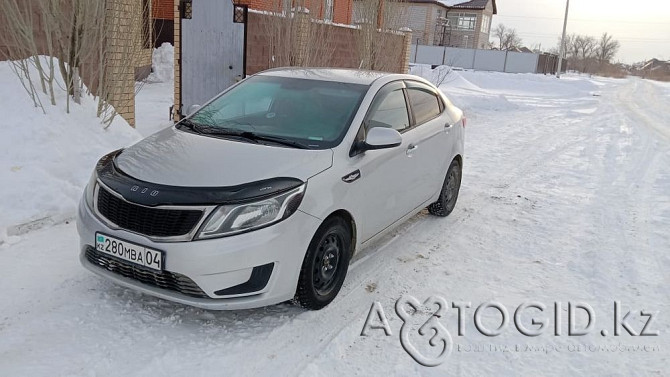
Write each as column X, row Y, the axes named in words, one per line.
column 425, row 104
column 328, row 15
column 486, row 23
column 389, row 109
column 463, row 21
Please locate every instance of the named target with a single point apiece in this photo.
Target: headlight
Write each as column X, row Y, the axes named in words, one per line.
column 237, row 218
column 90, row 189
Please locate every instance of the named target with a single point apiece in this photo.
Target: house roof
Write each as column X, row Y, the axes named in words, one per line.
column 655, row 64
column 460, row 4
column 475, row 4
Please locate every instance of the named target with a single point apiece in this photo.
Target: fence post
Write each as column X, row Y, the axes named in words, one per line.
column 416, row 51
column 505, row 63
column 407, row 50
column 176, row 115
column 474, row 60
column 303, row 30
column 120, row 79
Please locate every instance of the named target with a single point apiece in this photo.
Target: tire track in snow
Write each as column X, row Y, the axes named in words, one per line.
column 350, row 308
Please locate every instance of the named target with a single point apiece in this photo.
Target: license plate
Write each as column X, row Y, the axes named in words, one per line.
column 128, row 251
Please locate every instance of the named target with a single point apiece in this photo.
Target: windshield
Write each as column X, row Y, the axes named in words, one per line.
column 315, row 114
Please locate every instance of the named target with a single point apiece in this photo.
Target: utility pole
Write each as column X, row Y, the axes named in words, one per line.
column 562, row 49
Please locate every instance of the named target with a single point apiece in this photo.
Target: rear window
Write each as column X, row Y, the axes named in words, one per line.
column 425, row 104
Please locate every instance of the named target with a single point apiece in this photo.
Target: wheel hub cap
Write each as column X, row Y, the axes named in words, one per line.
column 326, row 264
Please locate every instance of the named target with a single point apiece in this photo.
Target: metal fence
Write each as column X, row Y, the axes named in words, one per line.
column 484, row 60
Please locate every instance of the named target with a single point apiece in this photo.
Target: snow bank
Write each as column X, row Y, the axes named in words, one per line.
column 537, row 85
column 482, row 91
column 463, row 93
column 162, row 64
column 46, row 159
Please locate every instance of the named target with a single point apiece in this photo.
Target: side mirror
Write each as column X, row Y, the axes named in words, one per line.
column 381, row 138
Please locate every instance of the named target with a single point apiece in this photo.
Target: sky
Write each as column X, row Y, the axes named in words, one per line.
column 641, row 26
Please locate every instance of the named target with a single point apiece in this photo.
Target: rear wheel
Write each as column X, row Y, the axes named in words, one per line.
column 325, row 265
column 449, row 194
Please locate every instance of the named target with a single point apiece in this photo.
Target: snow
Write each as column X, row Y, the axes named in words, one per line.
column 565, row 197
column 162, row 64
column 155, row 95
column 451, row 3
column 46, row 159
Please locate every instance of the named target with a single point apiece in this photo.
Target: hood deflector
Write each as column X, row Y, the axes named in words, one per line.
column 152, row 194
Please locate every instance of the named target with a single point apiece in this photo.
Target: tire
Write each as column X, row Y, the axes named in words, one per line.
column 325, row 265
column 449, row 193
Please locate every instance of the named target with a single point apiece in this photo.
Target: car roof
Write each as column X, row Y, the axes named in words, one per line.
column 353, row 76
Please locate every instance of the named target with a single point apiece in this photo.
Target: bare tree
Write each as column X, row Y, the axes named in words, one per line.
column 512, row 39
column 507, row 37
column 585, row 47
column 568, row 44
column 92, row 41
column 500, row 32
column 440, row 74
column 297, row 35
column 305, row 37
column 379, row 22
column 606, row 49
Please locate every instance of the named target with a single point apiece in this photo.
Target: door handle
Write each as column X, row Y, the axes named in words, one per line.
column 411, row 149
column 448, row 126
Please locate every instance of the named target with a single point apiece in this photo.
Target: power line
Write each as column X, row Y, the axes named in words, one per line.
column 626, row 39
column 586, row 20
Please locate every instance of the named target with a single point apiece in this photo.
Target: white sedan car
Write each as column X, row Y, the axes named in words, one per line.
column 265, row 193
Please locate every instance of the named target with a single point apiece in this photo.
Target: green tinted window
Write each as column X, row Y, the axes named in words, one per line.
column 316, row 113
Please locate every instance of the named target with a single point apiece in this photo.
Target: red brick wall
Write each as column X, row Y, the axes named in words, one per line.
column 258, row 45
column 38, row 32
column 342, row 41
column 162, row 9
column 342, row 9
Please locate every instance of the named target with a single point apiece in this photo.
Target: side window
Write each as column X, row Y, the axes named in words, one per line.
column 425, row 104
column 389, row 109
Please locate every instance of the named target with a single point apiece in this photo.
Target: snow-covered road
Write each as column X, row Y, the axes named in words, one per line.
column 565, row 198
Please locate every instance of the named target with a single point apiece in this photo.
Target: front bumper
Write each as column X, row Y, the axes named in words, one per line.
column 220, row 265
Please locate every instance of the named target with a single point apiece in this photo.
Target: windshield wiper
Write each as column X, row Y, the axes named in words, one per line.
column 272, row 139
column 191, row 125
column 248, row 135
column 207, row 129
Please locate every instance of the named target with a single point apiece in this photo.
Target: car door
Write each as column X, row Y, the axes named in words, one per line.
column 383, row 187
column 432, row 148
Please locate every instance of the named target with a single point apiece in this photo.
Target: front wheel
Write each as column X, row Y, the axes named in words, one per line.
column 325, row 265
column 449, row 193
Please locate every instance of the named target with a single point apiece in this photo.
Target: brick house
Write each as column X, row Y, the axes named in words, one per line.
column 337, row 11
column 162, row 14
column 452, row 23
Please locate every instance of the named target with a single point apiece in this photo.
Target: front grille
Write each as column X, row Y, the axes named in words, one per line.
column 154, row 222
column 162, row 279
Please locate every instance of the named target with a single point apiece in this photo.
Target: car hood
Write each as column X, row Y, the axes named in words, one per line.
column 178, row 158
